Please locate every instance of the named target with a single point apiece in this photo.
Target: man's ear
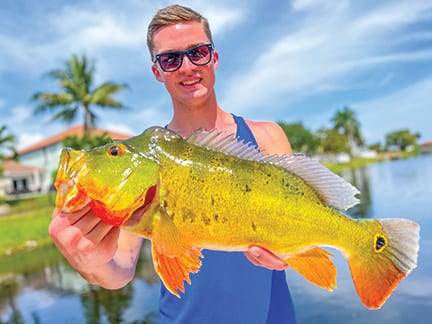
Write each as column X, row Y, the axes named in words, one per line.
column 157, row 73
column 215, row 59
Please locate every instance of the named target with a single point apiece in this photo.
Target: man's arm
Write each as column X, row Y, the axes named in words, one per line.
column 104, row 255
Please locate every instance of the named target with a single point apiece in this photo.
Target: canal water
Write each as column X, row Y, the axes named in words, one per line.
column 40, row 287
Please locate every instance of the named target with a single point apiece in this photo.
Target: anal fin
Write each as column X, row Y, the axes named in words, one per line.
column 173, row 259
column 315, row 266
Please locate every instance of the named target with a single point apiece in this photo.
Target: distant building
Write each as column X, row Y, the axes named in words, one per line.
column 19, row 178
column 426, row 147
column 38, row 161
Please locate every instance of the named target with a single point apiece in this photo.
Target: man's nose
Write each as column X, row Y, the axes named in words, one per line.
column 187, row 65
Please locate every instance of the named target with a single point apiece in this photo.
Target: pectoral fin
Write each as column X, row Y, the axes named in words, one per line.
column 315, row 266
column 173, row 259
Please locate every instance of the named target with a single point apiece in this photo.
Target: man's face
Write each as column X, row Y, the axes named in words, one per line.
column 190, row 84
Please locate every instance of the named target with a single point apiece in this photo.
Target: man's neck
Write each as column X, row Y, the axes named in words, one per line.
column 188, row 119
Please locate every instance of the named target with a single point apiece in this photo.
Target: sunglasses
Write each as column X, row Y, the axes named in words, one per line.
column 172, row 61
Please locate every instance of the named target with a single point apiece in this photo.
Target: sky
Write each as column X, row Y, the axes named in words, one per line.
column 293, row 61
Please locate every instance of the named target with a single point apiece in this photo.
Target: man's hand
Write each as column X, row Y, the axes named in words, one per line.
column 264, row 258
column 85, row 241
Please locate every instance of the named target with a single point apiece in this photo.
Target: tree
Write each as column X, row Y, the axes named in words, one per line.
column 87, row 141
column 378, row 147
column 76, row 80
column 301, row 139
column 7, row 143
column 401, row 139
column 345, row 121
column 333, row 142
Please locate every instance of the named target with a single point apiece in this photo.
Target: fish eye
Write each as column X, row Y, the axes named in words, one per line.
column 115, row 151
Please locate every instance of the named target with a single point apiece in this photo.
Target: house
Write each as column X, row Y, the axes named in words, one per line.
column 39, row 161
column 426, row 147
column 19, row 178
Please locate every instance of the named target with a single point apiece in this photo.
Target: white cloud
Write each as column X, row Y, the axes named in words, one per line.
column 390, row 16
column 25, row 139
column 121, row 128
column 328, row 55
column 302, row 5
column 222, row 18
column 19, row 114
column 397, row 110
column 83, row 29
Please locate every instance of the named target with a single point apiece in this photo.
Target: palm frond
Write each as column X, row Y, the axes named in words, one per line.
column 76, row 82
column 67, row 115
column 103, row 95
column 52, row 101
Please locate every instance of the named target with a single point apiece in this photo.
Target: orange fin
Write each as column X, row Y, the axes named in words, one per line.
column 315, row 266
column 393, row 255
column 375, row 282
column 172, row 258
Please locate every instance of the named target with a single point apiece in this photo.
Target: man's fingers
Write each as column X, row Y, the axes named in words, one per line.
column 264, row 258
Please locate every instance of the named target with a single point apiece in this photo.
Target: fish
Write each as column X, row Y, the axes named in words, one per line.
column 213, row 191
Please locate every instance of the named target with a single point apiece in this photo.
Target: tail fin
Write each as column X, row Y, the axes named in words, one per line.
column 394, row 256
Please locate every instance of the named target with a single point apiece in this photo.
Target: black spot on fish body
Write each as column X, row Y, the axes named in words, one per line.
column 253, row 227
column 286, row 183
column 206, row 219
column 216, row 218
column 188, row 216
column 247, row 188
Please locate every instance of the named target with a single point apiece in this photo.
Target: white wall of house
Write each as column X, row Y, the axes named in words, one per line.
column 22, row 182
column 5, row 184
column 47, row 158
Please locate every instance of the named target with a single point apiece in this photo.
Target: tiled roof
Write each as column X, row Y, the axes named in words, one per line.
column 74, row 130
column 427, row 143
column 10, row 167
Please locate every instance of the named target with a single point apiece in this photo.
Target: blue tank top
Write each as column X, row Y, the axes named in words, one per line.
column 228, row 288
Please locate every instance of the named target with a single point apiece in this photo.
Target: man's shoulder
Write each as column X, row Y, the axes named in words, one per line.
column 264, row 129
column 270, row 137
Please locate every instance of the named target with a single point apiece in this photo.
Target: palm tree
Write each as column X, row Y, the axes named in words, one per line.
column 7, row 143
column 345, row 121
column 76, row 81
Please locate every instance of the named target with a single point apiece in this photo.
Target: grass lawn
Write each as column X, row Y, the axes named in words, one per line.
column 355, row 163
column 26, row 226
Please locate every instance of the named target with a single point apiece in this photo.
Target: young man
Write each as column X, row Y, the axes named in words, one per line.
column 228, row 288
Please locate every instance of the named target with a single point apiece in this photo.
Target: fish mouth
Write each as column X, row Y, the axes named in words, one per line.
column 69, row 197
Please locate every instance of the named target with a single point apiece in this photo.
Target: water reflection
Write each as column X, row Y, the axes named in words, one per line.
column 360, row 178
column 392, row 189
column 98, row 302
column 40, row 287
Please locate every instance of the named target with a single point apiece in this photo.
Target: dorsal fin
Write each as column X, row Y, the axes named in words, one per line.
column 336, row 191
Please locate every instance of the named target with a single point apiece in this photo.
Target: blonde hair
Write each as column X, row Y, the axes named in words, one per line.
column 172, row 15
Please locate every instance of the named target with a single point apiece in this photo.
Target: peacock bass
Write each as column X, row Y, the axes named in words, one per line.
column 211, row 191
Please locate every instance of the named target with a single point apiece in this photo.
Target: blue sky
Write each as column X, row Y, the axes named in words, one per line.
column 293, row 61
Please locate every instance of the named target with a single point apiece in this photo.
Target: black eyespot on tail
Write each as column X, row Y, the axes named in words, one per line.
column 380, row 243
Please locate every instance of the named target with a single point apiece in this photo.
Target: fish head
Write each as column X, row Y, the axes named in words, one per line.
column 115, row 180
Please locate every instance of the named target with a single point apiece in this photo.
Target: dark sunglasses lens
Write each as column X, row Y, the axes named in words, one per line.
column 200, row 55
column 170, row 61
